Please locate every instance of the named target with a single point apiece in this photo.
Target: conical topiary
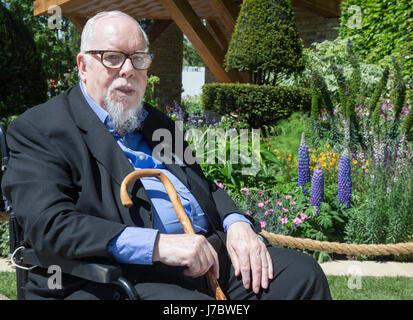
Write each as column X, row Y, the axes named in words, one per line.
column 265, row 41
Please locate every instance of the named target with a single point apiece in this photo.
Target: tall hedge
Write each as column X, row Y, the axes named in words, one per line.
column 265, row 41
column 22, row 80
column 261, row 104
column 380, row 28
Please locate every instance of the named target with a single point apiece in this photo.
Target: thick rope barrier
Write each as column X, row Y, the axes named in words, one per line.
column 331, row 247
column 337, row 247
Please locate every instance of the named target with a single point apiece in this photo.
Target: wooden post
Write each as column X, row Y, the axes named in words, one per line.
column 203, row 42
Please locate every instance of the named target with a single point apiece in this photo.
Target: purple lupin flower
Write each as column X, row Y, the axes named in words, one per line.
column 344, row 179
column 303, row 165
column 317, row 188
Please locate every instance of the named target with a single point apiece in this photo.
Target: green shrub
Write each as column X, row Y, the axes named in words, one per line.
column 261, row 105
column 22, row 78
column 265, row 41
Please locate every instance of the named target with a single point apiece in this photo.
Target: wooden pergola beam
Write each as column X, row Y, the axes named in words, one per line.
column 323, row 8
column 203, row 42
column 156, row 29
column 227, row 13
column 219, row 34
column 78, row 22
column 41, row 6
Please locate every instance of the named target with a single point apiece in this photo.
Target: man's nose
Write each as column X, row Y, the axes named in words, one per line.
column 127, row 70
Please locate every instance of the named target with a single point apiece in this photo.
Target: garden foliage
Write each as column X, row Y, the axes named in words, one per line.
column 22, row 77
column 265, row 41
column 57, row 47
column 385, row 28
column 261, row 105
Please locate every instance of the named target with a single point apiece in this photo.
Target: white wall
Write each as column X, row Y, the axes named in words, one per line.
column 193, row 78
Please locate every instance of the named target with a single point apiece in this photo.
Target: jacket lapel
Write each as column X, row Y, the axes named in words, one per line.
column 150, row 125
column 97, row 137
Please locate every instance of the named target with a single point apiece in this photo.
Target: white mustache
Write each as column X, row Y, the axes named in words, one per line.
column 122, row 83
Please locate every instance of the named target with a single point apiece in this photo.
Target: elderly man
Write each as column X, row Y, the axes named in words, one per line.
column 68, row 159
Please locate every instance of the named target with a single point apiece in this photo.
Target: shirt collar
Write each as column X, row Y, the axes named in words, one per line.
column 101, row 113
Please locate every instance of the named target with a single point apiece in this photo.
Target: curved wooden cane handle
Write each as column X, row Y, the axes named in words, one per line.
column 180, row 212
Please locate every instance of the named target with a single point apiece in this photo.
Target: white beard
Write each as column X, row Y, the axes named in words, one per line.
column 125, row 119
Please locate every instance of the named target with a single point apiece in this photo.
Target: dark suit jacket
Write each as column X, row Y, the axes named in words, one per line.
column 64, row 178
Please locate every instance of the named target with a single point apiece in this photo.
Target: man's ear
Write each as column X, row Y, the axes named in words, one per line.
column 82, row 67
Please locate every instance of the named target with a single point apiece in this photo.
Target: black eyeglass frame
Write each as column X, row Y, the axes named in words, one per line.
column 127, row 56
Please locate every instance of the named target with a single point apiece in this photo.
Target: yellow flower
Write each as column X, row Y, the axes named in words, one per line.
column 313, row 156
column 276, row 151
column 328, row 146
column 278, row 157
column 367, row 162
column 354, row 161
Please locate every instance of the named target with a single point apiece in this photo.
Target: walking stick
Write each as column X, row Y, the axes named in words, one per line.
column 180, row 212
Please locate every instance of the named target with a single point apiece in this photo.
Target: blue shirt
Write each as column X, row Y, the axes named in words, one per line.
column 135, row 244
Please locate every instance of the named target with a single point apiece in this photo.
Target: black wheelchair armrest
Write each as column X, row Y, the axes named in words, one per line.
column 91, row 271
column 96, row 272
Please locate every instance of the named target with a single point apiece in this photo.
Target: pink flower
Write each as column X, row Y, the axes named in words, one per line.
column 263, row 224
column 279, row 203
column 260, row 204
column 303, row 216
column 244, row 189
column 267, row 212
column 248, row 212
column 283, row 220
column 220, row 185
column 266, row 201
column 293, row 203
column 285, row 210
column 247, row 194
column 261, row 193
column 288, row 197
column 297, row 221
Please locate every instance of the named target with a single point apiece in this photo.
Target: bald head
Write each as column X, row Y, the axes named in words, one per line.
column 93, row 26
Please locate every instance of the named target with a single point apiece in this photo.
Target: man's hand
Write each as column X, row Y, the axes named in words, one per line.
column 249, row 256
column 190, row 250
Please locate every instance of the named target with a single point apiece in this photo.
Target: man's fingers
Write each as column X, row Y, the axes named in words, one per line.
column 234, row 261
column 270, row 265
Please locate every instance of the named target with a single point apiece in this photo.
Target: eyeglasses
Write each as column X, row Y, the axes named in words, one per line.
column 116, row 59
